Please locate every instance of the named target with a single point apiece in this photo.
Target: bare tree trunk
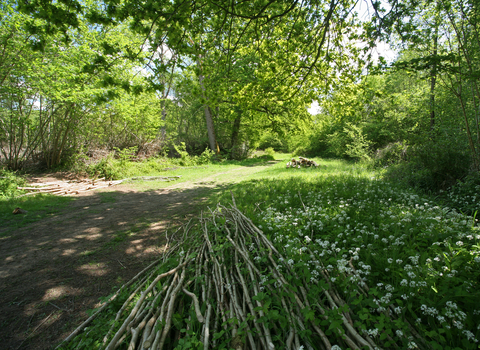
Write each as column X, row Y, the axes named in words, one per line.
column 163, row 130
column 212, row 140
column 236, row 133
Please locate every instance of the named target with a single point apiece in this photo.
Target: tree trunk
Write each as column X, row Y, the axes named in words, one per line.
column 163, row 130
column 212, row 140
column 433, row 78
column 236, row 133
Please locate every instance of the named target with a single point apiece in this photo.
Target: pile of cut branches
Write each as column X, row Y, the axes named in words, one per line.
column 301, row 163
column 224, row 284
column 73, row 187
column 70, row 187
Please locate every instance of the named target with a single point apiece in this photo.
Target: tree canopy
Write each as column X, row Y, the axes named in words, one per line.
column 234, row 75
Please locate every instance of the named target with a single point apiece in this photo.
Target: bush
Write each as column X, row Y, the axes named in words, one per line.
column 270, row 151
column 107, row 167
column 126, row 154
column 9, row 181
column 357, row 144
column 392, row 153
column 187, row 160
column 206, row 157
column 433, row 166
column 77, row 163
column 273, row 141
column 464, row 195
column 263, row 157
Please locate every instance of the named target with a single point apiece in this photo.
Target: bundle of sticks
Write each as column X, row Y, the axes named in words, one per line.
column 225, row 285
column 301, row 162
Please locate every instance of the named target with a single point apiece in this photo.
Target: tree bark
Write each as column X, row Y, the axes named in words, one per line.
column 212, row 140
column 433, row 78
column 163, row 130
column 235, row 132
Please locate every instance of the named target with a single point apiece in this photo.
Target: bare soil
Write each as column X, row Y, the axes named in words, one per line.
column 54, row 270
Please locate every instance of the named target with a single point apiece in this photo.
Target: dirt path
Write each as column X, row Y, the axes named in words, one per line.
column 53, row 271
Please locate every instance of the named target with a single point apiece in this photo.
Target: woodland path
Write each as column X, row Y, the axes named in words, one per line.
column 54, row 270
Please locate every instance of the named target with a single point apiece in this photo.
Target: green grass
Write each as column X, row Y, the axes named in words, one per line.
column 46, row 205
column 38, row 207
column 107, row 197
column 120, row 169
column 195, row 173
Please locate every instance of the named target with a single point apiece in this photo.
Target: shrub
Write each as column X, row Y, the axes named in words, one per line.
column 357, row 144
column 107, row 167
column 273, row 141
column 433, row 166
column 187, row 160
column 206, row 157
column 125, row 154
column 270, row 151
column 392, row 153
column 9, row 181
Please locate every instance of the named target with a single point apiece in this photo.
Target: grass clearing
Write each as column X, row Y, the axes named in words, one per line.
column 195, row 173
column 121, row 235
column 44, row 205
column 107, row 197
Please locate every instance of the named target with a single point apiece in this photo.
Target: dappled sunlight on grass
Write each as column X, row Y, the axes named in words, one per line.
column 401, row 268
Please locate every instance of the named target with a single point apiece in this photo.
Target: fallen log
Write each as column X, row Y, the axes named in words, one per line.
column 155, row 178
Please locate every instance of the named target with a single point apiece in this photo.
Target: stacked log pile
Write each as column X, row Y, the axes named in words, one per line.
column 301, row 163
column 65, row 188
column 73, row 187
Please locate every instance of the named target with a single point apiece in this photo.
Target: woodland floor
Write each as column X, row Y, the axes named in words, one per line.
column 54, row 270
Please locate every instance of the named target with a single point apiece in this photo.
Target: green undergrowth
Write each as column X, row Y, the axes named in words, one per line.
column 417, row 257
column 407, row 269
column 9, row 181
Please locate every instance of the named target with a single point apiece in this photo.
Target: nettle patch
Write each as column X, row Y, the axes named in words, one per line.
column 407, row 271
